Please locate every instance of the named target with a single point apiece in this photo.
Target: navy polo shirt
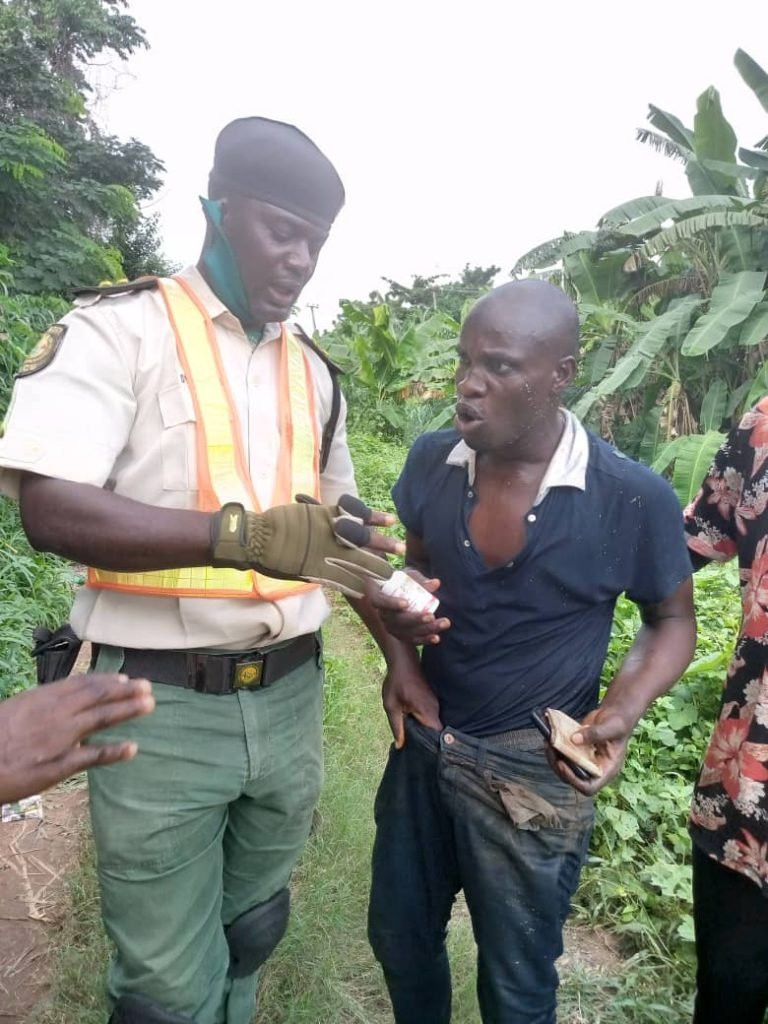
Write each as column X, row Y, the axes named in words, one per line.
column 535, row 632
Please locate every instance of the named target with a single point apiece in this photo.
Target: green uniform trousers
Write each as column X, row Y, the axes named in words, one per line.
column 205, row 823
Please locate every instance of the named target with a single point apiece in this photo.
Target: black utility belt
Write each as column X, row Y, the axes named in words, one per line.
column 222, row 673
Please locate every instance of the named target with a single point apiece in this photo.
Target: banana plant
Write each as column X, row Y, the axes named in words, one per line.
column 672, row 293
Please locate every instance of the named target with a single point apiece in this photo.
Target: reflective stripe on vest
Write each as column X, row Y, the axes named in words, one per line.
column 222, row 470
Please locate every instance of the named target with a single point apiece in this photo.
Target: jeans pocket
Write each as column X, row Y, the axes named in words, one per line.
column 533, row 805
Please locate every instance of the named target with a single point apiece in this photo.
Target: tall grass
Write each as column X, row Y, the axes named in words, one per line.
column 35, row 590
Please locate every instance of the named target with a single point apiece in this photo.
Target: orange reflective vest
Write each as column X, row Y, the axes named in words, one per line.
column 222, row 470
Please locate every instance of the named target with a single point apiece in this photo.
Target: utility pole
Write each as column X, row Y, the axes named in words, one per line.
column 312, row 306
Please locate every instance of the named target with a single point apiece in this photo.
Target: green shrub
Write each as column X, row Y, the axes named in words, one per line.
column 35, row 590
column 23, row 319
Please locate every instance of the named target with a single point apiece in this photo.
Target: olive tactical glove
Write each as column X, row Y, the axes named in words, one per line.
column 305, row 541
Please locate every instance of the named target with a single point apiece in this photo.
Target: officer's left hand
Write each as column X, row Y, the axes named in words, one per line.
column 609, row 732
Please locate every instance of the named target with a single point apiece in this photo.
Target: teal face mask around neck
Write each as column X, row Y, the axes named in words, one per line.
column 221, row 270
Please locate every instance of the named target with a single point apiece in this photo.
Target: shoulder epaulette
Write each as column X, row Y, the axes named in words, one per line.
column 316, row 349
column 141, row 284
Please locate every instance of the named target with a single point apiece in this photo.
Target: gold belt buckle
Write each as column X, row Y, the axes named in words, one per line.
column 248, row 674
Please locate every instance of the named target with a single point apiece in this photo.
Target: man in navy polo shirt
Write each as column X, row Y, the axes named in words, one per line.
column 534, row 528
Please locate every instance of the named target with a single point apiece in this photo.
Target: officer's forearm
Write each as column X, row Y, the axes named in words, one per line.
column 109, row 531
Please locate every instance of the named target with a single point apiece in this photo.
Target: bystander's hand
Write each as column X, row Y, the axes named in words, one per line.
column 41, row 731
column 410, row 627
column 609, row 732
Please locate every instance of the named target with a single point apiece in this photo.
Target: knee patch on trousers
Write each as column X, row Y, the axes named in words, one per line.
column 254, row 935
column 140, row 1010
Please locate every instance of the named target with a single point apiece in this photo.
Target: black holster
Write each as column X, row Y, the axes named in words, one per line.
column 55, row 652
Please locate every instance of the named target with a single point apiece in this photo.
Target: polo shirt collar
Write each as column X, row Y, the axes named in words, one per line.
column 567, row 467
column 215, row 308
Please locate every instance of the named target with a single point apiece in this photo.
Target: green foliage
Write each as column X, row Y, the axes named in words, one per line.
column 23, row 318
column 672, row 294
column 399, row 371
column 69, row 194
column 638, row 875
column 398, row 351
column 36, row 589
column 438, row 293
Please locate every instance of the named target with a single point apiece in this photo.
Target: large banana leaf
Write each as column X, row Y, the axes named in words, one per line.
column 758, row 389
column 755, row 327
column 692, row 456
column 733, row 299
column 713, row 140
column 713, row 405
column 755, row 158
column 630, row 370
column 651, row 437
column 671, row 126
column 753, row 75
column 544, row 255
column 629, row 211
column 692, row 226
column 672, row 209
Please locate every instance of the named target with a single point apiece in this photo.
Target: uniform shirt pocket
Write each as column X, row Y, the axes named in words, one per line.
column 179, row 438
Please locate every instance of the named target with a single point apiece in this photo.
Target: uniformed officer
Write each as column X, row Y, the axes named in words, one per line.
column 166, row 425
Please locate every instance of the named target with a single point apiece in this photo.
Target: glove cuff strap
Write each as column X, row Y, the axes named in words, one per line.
column 228, row 537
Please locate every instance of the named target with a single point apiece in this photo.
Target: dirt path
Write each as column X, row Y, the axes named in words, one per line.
column 35, row 858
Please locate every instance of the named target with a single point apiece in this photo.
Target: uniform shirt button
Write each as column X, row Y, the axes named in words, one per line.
column 448, row 738
column 466, row 543
column 531, row 517
column 470, row 494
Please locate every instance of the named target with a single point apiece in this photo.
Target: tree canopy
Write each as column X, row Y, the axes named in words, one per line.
column 70, row 194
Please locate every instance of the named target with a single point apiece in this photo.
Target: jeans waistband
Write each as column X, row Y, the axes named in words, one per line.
column 514, row 739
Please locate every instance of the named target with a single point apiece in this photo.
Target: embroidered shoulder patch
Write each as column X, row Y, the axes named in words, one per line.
column 44, row 351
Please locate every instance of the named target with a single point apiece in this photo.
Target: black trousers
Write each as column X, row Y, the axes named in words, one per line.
column 731, row 922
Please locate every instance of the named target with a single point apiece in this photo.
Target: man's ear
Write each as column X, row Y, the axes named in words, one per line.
column 564, row 373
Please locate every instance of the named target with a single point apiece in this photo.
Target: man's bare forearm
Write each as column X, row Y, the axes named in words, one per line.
column 109, row 531
column 661, row 652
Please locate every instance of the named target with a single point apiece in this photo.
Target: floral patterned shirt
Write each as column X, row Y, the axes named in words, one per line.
column 727, row 518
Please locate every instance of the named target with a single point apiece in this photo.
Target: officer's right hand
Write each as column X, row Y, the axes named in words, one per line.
column 411, row 627
column 42, row 730
column 406, row 692
column 306, row 541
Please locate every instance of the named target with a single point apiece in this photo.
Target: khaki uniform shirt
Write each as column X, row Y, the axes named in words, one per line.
column 113, row 409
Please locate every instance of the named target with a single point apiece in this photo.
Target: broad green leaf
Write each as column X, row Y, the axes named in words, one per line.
column 754, row 158
column 739, row 248
column 630, row 370
column 693, row 226
column 713, row 405
column 714, row 138
column 633, row 209
column 621, row 373
column 673, row 209
column 736, row 397
column 669, row 453
column 753, row 75
column 758, row 389
column 601, row 360
column 685, row 929
column 731, row 170
column 693, row 462
column 732, row 301
column 544, row 255
column 652, row 436
column 581, row 269
column 671, row 126
column 755, row 327
column 585, row 403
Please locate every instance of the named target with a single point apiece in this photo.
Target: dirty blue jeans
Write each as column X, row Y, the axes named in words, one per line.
column 454, row 812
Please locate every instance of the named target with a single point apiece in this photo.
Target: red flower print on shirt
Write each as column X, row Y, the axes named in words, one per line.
column 754, row 598
column 730, row 757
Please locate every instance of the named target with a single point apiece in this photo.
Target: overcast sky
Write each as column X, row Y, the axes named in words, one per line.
column 464, row 133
